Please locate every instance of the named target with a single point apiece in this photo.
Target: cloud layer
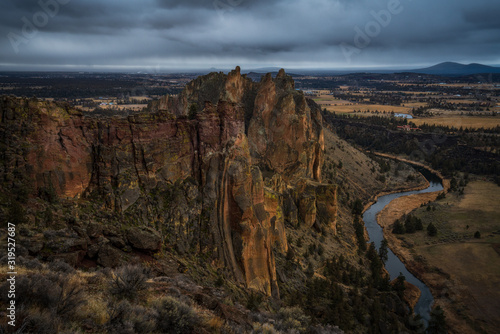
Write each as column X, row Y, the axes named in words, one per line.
column 170, row 34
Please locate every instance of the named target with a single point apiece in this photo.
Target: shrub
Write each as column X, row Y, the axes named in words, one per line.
column 30, row 263
column 175, row 317
column 125, row 318
column 431, row 230
column 254, row 300
column 309, row 270
column 477, row 235
column 193, row 110
column 127, row 281
column 299, row 242
column 215, row 324
column 47, row 194
column 266, row 328
column 39, row 321
column 16, row 213
column 70, row 296
column 219, row 281
column 61, row 266
column 118, row 315
column 292, row 318
column 321, row 250
column 55, row 293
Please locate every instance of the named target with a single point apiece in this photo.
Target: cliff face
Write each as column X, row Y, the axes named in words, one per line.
column 218, row 170
column 286, row 135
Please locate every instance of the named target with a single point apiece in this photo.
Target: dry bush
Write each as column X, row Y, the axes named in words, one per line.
column 56, row 293
column 38, row 321
column 127, row 281
column 125, row 318
column 95, row 311
column 216, row 324
column 61, row 267
column 266, row 328
column 175, row 317
column 292, row 319
column 30, row 263
column 44, row 302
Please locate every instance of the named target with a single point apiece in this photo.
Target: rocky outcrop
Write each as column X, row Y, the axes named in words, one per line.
column 219, row 170
column 317, row 203
column 286, row 135
column 144, row 239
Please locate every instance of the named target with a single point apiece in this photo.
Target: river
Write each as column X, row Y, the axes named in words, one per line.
column 394, row 265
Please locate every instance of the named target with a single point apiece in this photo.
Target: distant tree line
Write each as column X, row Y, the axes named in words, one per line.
column 446, row 149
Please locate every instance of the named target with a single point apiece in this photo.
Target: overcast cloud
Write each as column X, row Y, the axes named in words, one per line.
column 183, row 34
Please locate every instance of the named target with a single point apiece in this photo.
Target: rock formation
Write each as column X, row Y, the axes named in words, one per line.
column 218, row 170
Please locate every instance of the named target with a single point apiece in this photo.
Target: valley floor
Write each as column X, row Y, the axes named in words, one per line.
column 463, row 272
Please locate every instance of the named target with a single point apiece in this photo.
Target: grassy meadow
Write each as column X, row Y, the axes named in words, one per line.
column 472, row 264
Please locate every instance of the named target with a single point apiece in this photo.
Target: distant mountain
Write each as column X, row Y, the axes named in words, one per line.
column 451, row 68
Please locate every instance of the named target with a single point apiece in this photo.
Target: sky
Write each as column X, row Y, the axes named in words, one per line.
column 166, row 35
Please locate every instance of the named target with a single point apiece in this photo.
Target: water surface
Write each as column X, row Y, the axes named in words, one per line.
column 393, row 265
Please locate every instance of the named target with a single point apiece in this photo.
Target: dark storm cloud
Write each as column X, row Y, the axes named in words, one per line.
column 205, row 33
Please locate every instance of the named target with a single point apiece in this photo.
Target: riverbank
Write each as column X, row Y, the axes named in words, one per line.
column 462, row 272
column 395, row 210
column 451, row 292
column 426, row 192
column 444, row 181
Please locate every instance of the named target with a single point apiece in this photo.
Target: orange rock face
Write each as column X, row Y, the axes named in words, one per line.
column 285, row 134
column 191, row 167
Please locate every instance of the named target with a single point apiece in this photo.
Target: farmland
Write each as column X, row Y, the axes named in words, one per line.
column 457, row 121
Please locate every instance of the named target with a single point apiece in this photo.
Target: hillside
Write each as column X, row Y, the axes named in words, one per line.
column 456, row 69
column 227, row 208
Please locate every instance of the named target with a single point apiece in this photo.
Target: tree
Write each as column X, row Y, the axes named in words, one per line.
column 360, row 233
column 16, row 213
column 193, row 110
column 309, row 270
column 477, row 235
column 431, row 230
column 441, row 195
column 375, row 265
column 437, row 324
column 418, row 224
column 409, row 225
column 383, row 251
column 416, row 323
column 289, row 255
column 398, row 228
column 357, row 207
column 399, row 285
